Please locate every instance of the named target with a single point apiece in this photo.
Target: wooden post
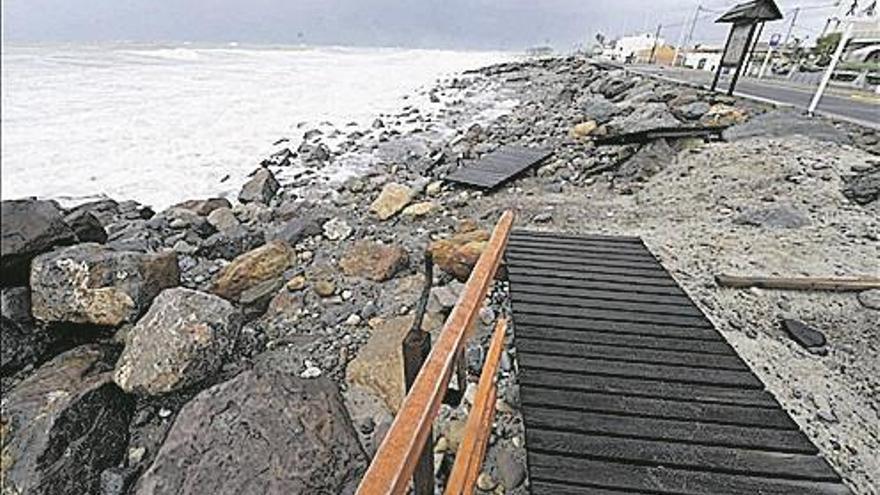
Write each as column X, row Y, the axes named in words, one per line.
column 416, row 347
column 721, row 62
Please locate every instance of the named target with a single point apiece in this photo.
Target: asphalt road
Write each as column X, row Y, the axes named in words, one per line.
column 846, row 104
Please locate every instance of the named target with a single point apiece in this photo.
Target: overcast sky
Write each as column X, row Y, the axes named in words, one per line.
column 471, row 24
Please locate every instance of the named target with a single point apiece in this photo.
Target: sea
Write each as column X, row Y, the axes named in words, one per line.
column 161, row 123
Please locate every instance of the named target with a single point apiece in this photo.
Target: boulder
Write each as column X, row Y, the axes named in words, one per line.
column 253, row 268
column 265, row 431
column 20, row 345
column 260, row 189
column 15, row 303
column 183, row 339
column 86, row 226
column 378, row 366
column 647, row 161
column 63, row 425
column 230, row 243
column 691, row 111
column 223, row 219
column 393, row 198
column 93, row 284
column 805, row 335
column 374, row 260
column 298, row 229
column 204, row 207
column 458, row 254
column 863, row 188
column 643, row 117
column 30, row 227
column 599, row 110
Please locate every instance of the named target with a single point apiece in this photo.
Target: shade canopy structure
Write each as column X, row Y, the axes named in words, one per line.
column 754, row 11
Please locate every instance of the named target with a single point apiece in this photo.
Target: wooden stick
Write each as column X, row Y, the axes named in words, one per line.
column 800, row 283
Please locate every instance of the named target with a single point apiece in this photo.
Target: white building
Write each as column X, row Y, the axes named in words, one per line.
column 628, row 47
column 703, row 58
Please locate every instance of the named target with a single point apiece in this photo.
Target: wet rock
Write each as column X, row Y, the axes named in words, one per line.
column 511, row 470
column 780, row 217
column 94, row 284
column 86, row 226
column 336, row 229
column 252, row 268
column 223, row 219
column 374, row 260
column 870, row 299
column 781, row 123
column 393, row 198
column 224, row 439
column 863, row 188
column 458, row 254
column 803, row 334
column 230, row 243
column 30, row 227
column 63, row 425
column 298, row 229
column 204, row 207
column 183, row 339
column 260, row 189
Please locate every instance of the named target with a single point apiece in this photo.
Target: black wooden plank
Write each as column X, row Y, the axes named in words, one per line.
column 676, row 455
column 672, row 430
column 497, row 167
column 648, row 407
column 611, row 315
column 556, row 236
column 589, row 267
column 554, row 259
column 581, row 302
column 636, row 282
column 666, row 480
column 583, row 247
column 608, row 282
column 678, row 332
column 518, row 247
column 629, row 354
column 542, row 487
column 548, row 334
column 661, row 372
column 603, row 295
column 635, row 387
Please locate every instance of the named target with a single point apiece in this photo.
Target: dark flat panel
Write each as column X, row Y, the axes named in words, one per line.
column 560, row 259
column 685, row 432
column 612, row 253
column 637, row 283
column 682, row 374
column 498, row 167
column 584, row 246
column 547, row 334
column 670, row 480
column 556, row 236
column 602, row 295
column 588, row 267
column 611, row 314
column 678, row 332
column 676, row 455
column 657, row 408
column 609, row 283
column 555, row 299
column 538, row 346
column 636, row 387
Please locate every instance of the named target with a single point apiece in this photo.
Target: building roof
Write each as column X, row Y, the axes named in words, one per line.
column 755, row 11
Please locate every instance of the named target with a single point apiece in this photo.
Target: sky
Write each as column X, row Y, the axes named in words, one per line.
column 458, row 24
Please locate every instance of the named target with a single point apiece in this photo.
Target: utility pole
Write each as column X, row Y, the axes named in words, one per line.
column 794, row 17
column 654, row 46
column 684, row 41
column 844, row 39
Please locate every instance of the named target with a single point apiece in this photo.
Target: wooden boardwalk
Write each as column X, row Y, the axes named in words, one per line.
column 626, row 387
column 498, row 167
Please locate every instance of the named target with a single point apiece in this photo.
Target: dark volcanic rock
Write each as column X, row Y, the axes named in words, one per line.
column 20, row 345
column 863, row 188
column 183, row 339
column 94, row 284
column 261, row 188
column 64, row 425
column 86, row 226
column 599, row 109
column 780, row 217
column 230, row 243
column 650, row 159
column 204, row 207
column 30, row 227
column 803, row 334
column 265, row 431
column 298, row 229
column 15, row 303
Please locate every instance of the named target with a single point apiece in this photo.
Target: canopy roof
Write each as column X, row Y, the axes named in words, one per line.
column 754, row 11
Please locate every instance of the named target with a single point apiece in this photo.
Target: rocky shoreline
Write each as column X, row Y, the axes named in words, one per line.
column 146, row 352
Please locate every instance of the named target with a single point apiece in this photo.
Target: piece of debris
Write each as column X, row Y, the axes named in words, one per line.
column 800, row 283
column 648, row 135
column 808, row 337
column 499, row 166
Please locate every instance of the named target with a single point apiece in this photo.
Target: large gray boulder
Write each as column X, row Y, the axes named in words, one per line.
column 183, row 339
column 266, row 431
column 643, row 117
column 29, row 227
column 261, row 188
column 93, row 284
column 63, row 425
column 20, row 344
column 786, row 122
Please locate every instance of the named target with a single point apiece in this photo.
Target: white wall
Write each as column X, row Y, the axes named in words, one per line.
column 707, row 61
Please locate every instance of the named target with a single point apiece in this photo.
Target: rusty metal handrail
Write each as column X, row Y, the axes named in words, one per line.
column 469, row 458
column 395, row 460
